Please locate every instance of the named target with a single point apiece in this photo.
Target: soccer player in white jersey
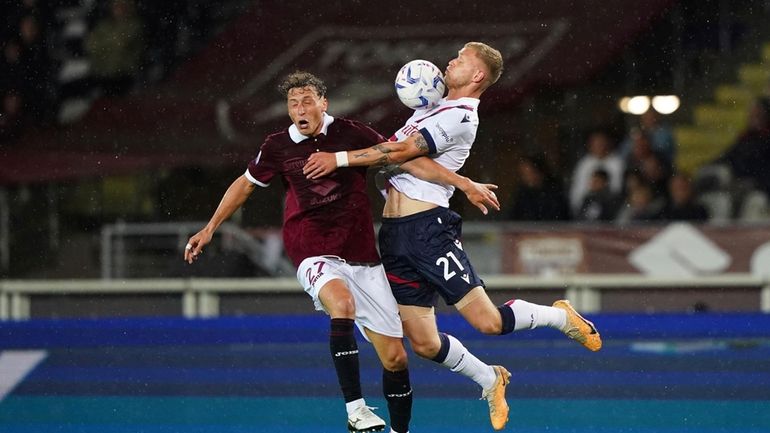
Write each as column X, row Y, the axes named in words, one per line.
column 420, row 236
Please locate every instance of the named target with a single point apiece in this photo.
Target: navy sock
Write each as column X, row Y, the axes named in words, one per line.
column 444, row 350
column 509, row 319
column 398, row 393
column 344, row 350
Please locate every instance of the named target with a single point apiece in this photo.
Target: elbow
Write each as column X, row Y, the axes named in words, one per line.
column 402, row 155
column 399, row 158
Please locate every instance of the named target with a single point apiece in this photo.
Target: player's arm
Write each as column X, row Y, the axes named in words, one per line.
column 322, row 163
column 231, row 201
column 480, row 195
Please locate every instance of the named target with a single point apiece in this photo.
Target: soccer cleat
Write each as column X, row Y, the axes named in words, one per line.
column 363, row 420
column 578, row 328
column 495, row 397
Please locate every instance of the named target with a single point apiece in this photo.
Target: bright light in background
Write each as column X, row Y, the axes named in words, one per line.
column 623, row 104
column 637, row 105
column 665, row 104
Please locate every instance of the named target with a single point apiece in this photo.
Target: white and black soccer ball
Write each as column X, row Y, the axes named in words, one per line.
column 420, row 84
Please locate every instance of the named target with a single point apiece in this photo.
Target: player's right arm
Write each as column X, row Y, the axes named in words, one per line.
column 321, row 163
column 480, row 195
column 231, row 201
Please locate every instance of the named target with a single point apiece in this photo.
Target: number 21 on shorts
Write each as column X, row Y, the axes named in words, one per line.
column 444, row 261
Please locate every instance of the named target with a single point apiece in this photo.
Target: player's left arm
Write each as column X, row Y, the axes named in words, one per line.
column 322, row 163
column 480, row 195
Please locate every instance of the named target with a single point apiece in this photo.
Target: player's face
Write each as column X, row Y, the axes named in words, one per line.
column 306, row 110
column 463, row 69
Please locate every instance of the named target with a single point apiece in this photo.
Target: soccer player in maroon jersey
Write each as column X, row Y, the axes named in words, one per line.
column 328, row 233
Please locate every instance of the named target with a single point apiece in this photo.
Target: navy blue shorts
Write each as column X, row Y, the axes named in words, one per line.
column 423, row 258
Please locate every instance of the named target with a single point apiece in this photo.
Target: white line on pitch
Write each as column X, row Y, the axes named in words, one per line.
column 14, row 367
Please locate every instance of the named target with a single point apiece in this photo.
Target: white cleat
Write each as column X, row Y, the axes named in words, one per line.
column 363, row 420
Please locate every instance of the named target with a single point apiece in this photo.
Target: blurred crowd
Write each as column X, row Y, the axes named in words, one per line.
column 635, row 179
column 25, row 67
column 59, row 55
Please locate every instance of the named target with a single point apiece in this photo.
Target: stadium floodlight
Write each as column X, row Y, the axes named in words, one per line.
column 638, row 104
column 665, row 104
column 623, row 103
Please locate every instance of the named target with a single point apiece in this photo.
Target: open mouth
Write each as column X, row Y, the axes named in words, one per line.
column 303, row 123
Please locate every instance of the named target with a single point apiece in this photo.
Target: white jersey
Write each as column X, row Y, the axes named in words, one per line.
column 450, row 129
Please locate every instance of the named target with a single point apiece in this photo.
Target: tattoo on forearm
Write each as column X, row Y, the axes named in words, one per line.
column 382, row 160
column 421, row 144
column 382, row 148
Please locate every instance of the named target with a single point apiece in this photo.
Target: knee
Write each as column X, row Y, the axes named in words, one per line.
column 395, row 361
column 426, row 349
column 342, row 307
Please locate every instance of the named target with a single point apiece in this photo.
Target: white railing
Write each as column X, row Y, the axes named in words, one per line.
column 200, row 296
column 115, row 237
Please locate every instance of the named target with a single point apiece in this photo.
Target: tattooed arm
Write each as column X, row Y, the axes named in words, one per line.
column 322, row 163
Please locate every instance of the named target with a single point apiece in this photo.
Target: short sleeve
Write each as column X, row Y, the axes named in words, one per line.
column 454, row 127
column 263, row 168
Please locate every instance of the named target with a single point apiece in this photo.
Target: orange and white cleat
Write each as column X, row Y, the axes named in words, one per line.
column 578, row 328
column 495, row 397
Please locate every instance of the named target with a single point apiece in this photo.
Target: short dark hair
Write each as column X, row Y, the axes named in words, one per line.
column 301, row 79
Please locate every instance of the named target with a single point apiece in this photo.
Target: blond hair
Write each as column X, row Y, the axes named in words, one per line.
column 491, row 58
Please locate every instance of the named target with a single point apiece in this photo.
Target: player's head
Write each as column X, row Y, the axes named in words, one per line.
column 477, row 65
column 306, row 101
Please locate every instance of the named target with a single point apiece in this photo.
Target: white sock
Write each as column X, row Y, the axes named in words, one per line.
column 531, row 316
column 460, row 360
column 351, row 406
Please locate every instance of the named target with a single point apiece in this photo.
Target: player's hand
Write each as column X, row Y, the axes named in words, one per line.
column 319, row 164
column 194, row 247
column 482, row 195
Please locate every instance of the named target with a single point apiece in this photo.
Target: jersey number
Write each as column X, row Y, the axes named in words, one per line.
column 444, row 261
column 311, row 279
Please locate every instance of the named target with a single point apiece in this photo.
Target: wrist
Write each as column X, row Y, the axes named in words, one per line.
column 342, row 158
column 210, row 228
column 464, row 184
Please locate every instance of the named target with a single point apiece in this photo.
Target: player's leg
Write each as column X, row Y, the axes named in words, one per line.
column 444, row 263
column 339, row 303
column 421, row 329
column 517, row 315
column 409, row 252
column 395, row 379
column 377, row 317
column 323, row 280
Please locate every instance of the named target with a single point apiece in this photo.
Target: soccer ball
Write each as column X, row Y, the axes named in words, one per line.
column 420, row 84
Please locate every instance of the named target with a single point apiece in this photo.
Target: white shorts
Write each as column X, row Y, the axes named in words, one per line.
column 376, row 308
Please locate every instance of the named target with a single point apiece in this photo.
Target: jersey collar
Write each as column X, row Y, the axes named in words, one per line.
column 297, row 137
column 466, row 100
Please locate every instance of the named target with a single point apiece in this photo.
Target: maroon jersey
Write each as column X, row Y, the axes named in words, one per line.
column 328, row 216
